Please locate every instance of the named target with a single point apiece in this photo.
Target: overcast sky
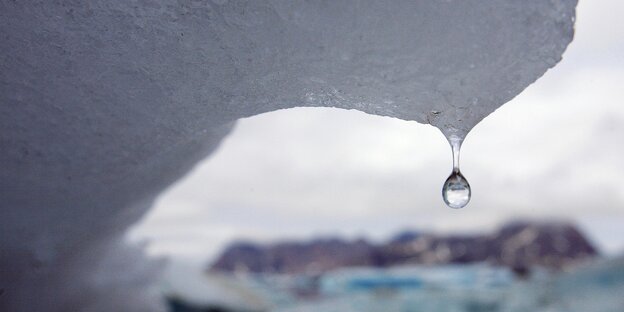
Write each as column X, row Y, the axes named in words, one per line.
column 555, row 151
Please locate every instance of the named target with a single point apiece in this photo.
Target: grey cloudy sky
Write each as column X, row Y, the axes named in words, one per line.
column 555, row 151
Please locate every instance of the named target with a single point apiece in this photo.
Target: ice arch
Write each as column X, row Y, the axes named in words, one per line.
column 105, row 103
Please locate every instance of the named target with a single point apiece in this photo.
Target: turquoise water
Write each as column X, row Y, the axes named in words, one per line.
column 598, row 287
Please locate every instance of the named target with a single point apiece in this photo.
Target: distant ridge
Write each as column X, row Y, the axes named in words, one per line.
column 518, row 245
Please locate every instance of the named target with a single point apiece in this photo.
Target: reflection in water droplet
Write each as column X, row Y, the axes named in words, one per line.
column 456, row 190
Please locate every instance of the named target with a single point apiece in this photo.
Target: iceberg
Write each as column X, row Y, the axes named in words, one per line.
column 106, row 103
column 595, row 287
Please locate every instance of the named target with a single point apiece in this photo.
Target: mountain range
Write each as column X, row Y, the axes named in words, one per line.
column 518, row 245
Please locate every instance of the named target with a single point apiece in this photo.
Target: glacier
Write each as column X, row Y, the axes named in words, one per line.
column 103, row 104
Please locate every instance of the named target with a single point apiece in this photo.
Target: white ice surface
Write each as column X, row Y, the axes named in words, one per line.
column 105, row 103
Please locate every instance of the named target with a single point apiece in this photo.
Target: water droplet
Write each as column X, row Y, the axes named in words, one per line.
column 456, row 190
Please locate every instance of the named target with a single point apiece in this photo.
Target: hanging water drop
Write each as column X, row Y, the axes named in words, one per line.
column 456, row 190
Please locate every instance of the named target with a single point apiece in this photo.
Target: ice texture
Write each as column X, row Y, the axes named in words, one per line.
column 104, row 103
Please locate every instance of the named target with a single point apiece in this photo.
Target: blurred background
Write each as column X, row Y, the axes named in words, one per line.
column 315, row 209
